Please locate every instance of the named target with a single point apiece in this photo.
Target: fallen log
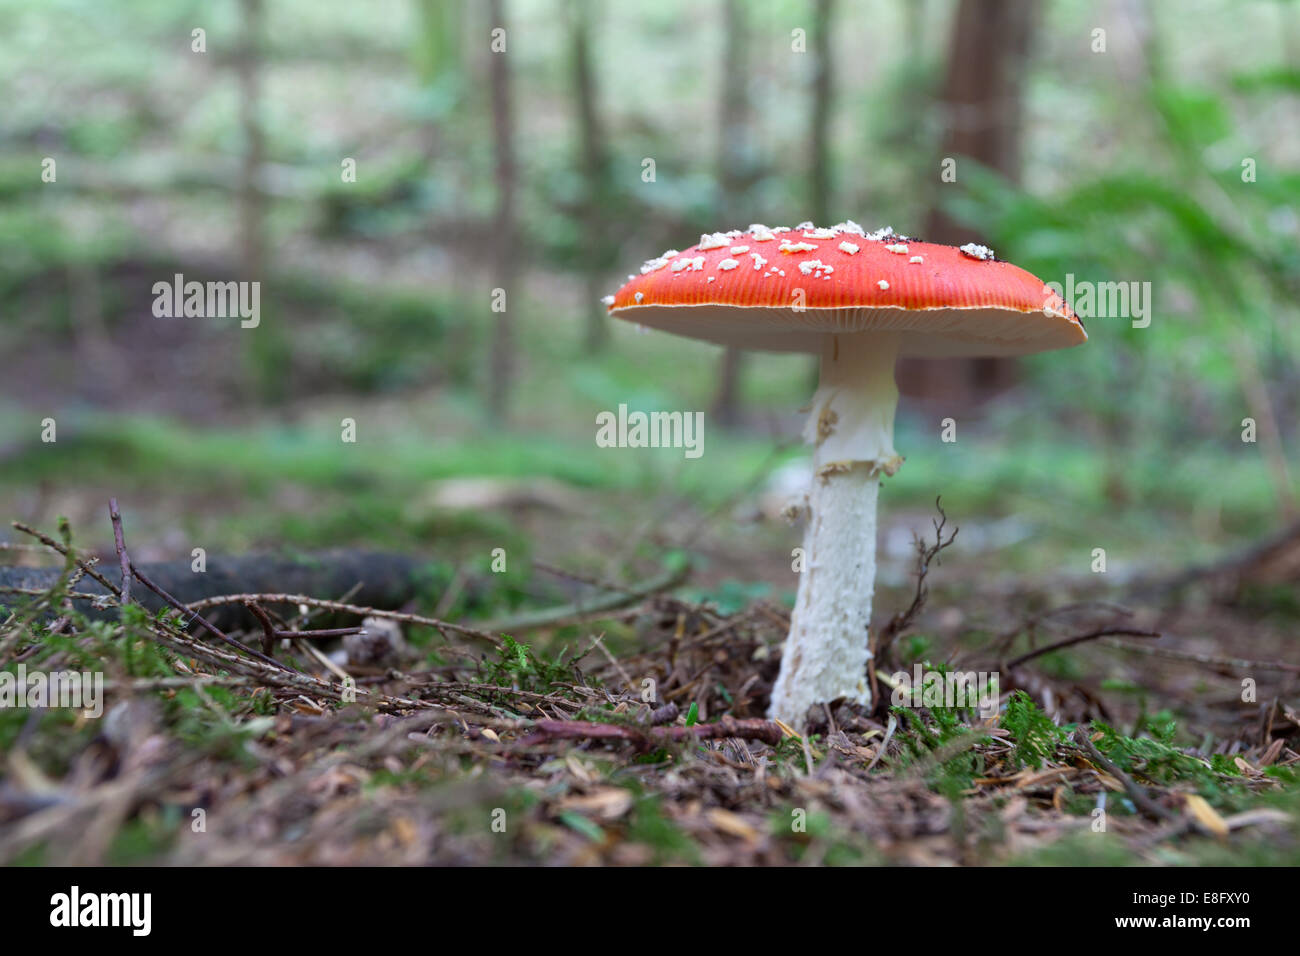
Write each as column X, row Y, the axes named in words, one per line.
column 1271, row 562
column 375, row 579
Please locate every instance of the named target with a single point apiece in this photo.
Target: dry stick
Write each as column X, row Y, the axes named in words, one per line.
column 599, row 641
column 40, row 592
column 749, row 728
column 1234, row 564
column 1135, row 792
column 19, row 546
column 163, row 683
column 49, row 542
column 439, row 625
column 271, row 633
column 115, row 516
column 925, row 554
column 611, row 600
column 728, row 624
column 488, row 689
column 1118, row 609
column 1030, row 624
column 579, row 578
column 884, row 743
column 307, row 616
column 1239, row 662
column 207, row 625
column 277, row 675
column 310, row 650
column 268, row 627
column 1079, row 639
column 320, row 632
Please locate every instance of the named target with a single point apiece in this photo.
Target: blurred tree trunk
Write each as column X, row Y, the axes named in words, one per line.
column 267, row 352
column 1152, row 72
column 594, row 161
column 914, row 15
column 734, row 159
column 92, row 344
column 438, row 53
column 820, row 177
column 501, row 365
column 1254, row 387
column 251, row 239
column 982, row 104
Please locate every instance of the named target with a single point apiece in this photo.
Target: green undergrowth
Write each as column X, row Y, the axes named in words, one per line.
column 242, row 487
column 517, row 666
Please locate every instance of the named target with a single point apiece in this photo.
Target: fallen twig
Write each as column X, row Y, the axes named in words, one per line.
column 438, row 625
column 271, row 633
column 611, row 600
column 268, row 626
column 1131, row 787
column 1210, row 659
column 49, row 542
column 115, row 516
column 275, row 674
column 747, row 729
column 925, row 554
column 1078, row 639
column 319, row 633
column 1234, row 566
column 884, row 743
column 195, row 617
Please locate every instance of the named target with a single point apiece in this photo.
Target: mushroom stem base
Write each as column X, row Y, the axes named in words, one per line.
column 852, row 427
column 825, row 655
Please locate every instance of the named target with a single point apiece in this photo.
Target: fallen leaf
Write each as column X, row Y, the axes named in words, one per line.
column 1206, row 815
column 404, row 830
column 607, row 803
column 1254, row 817
column 577, row 769
column 730, row 823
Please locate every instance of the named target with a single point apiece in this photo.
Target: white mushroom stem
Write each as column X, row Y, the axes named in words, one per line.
column 852, row 429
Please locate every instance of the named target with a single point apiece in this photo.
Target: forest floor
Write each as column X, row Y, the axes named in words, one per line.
column 1158, row 731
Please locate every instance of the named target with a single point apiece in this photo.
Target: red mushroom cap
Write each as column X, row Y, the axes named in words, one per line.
column 783, row 289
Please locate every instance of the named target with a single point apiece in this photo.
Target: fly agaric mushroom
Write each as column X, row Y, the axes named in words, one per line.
column 859, row 300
